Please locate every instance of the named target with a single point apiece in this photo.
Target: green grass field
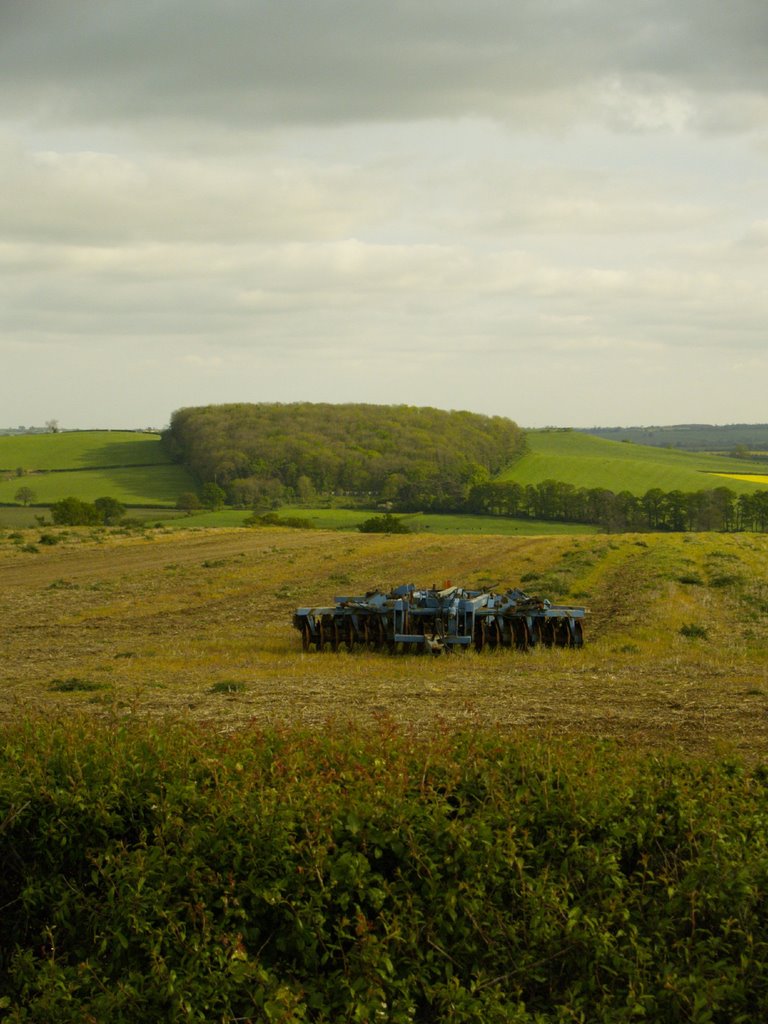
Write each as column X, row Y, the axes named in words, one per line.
column 490, row 525
column 585, row 461
column 128, row 466
column 348, row 519
column 145, row 485
column 86, row 449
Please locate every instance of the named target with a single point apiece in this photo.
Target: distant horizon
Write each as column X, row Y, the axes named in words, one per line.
column 63, row 428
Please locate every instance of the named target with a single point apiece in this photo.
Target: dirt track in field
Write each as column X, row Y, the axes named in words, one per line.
column 127, row 627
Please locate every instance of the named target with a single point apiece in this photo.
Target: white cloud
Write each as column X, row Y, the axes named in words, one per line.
column 648, row 105
column 103, row 198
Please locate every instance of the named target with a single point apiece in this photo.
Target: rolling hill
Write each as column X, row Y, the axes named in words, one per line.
column 416, row 466
column 582, row 460
column 692, row 437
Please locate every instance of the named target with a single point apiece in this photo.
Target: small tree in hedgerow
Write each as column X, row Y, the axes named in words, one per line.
column 188, row 501
column 25, row 496
column 110, row 510
column 213, row 496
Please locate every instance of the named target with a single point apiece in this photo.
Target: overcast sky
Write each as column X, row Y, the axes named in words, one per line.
column 553, row 210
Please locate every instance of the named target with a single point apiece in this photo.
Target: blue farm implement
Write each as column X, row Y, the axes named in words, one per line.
column 432, row 620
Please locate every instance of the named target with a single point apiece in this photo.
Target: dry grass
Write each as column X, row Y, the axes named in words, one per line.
column 157, row 626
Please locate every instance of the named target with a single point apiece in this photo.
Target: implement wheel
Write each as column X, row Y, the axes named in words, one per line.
column 520, row 633
column 349, row 634
column 577, row 636
column 306, row 636
column 481, row 634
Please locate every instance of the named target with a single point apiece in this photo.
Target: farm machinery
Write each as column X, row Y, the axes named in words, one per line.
column 435, row 620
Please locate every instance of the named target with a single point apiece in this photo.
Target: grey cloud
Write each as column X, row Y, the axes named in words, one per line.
column 266, row 62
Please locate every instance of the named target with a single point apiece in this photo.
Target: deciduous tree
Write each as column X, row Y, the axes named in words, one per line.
column 25, row 496
column 110, row 510
column 74, row 512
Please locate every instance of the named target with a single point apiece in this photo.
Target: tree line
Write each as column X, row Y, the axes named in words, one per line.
column 718, row 508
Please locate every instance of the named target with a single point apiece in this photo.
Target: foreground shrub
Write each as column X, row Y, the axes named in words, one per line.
column 169, row 874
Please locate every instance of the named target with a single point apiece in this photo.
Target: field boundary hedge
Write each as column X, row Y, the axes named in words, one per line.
column 168, row 873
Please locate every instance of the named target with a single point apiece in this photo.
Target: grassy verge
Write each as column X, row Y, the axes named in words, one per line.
column 173, row 874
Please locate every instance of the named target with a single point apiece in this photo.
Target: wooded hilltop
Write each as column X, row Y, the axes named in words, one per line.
column 413, row 457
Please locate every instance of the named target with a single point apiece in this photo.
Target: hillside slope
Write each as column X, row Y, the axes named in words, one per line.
column 132, row 467
column 81, row 449
column 582, row 460
column 692, row 437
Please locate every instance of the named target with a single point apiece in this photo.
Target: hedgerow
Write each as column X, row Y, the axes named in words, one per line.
column 172, row 874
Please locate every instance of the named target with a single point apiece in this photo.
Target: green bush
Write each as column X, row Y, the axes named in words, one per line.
column 273, row 519
column 383, row 524
column 110, row 510
column 74, row 512
column 172, row 874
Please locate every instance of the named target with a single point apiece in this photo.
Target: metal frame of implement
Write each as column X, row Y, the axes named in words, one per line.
column 436, row 620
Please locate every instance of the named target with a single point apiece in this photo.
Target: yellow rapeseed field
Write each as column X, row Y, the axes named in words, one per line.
column 750, row 478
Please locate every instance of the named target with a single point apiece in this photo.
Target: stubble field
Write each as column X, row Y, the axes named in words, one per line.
column 197, row 625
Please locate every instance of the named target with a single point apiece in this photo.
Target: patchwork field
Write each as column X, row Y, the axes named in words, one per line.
column 197, row 624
